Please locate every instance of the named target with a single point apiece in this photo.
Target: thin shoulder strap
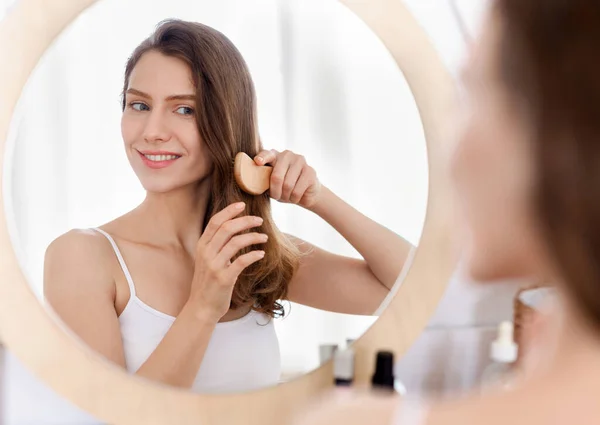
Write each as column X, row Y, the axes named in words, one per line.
column 121, row 260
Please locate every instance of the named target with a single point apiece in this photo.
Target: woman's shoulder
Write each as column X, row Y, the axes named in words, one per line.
column 79, row 246
column 78, row 237
column 77, row 265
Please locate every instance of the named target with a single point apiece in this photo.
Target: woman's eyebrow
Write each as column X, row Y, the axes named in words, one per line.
column 169, row 98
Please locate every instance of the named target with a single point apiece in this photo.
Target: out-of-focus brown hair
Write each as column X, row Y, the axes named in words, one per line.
column 550, row 62
column 226, row 117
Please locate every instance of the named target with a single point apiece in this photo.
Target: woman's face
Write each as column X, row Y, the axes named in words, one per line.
column 158, row 125
column 492, row 170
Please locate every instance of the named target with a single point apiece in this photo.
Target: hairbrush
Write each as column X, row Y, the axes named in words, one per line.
column 251, row 178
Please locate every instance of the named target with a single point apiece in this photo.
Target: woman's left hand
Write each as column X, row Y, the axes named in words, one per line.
column 292, row 180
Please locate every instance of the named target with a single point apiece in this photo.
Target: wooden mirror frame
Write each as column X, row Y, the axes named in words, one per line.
column 35, row 336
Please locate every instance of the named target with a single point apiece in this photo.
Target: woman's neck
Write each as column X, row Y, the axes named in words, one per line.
column 175, row 218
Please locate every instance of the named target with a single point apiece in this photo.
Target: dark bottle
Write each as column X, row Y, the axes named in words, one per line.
column 383, row 378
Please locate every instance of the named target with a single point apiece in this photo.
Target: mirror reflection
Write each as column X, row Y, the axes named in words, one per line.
column 131, row 224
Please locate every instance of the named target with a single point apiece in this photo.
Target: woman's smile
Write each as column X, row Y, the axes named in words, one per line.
column 158, row 159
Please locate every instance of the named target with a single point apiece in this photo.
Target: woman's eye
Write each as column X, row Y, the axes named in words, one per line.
column 138, row 106
column 185, row 110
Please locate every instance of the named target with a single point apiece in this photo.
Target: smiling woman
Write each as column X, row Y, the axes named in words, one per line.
column 199, row 266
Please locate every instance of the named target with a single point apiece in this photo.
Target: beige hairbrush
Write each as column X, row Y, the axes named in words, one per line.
column 251, row 178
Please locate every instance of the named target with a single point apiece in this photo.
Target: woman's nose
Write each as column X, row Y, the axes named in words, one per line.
column 156, row 129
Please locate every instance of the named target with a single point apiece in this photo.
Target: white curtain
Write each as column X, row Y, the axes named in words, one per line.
column 327, row 88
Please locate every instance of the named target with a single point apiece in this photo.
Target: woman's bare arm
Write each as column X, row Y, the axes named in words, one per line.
column 342, row 284
column 79, row 286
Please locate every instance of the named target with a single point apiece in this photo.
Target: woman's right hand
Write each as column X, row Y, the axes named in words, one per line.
column 214, row 273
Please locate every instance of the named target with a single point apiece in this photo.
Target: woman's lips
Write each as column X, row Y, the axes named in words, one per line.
column 158, row 159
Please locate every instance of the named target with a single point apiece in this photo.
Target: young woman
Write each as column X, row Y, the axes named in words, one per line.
column 182, row 289
column 527, row 174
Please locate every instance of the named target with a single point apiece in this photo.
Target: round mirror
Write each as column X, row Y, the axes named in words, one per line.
column 328, row 91
column 342, row 104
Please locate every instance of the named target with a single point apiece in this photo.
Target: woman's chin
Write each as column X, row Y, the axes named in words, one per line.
column 482, row 266
column 482, row 273
column 160, row 187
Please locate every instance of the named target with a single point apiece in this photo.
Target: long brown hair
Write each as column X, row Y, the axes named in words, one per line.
column 550, row 62
column 226, row 117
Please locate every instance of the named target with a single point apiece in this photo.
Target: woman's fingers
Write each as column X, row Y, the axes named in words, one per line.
column 219, row 219
column 291, row 178
column 278, row 175
column 305, row 181
column 229, row 229
column 237, row 243
column 243, row 261
column 266, row 157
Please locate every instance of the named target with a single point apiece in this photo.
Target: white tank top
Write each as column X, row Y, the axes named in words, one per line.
column 242, row 354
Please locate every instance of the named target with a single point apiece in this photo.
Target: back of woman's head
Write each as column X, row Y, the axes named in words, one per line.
column 550, row 62
column 226, row 117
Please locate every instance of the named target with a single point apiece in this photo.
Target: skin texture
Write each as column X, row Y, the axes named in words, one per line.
column 185, row 272
column 493, row 176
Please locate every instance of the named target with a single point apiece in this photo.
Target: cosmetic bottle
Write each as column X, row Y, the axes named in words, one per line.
column 503, row 354
column 343, row 367
column 383, row 378
column 326, row 352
